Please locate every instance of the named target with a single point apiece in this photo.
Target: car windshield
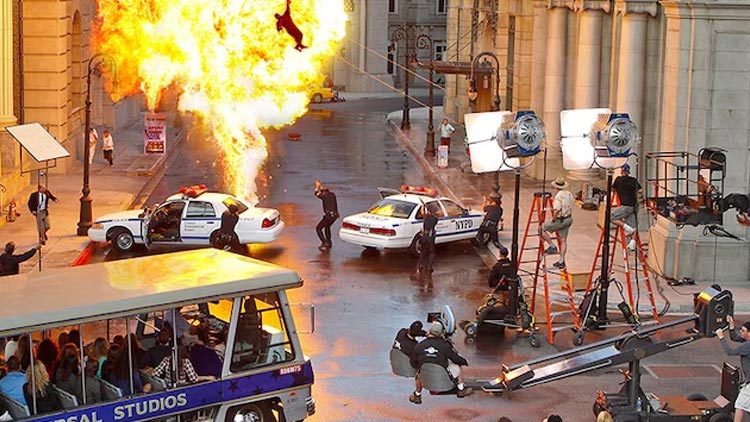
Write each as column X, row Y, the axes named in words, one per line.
column 234, row 201
column 392, row 208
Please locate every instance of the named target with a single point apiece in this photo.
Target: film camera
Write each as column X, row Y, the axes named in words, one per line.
column 446, row 318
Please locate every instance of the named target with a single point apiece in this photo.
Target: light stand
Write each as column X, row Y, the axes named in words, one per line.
column 601, row 318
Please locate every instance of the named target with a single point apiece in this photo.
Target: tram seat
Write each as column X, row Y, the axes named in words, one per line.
column 109, row 391
column 435, row 378
column 157, row 383
column 400, row 364
column 68, row 401
column 16, row 409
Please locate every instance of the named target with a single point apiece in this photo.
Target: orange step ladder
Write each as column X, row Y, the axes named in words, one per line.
column 630, row 266
column 560, row 293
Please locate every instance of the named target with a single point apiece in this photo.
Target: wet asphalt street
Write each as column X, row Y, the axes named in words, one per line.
column 362, row 298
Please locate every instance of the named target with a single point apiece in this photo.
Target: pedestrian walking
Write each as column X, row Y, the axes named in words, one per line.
column 446, row 130
column 562, row 219
column 93, row 139
column 39, row 207
column 108, row 147
column 330, row 215
column 9, row 261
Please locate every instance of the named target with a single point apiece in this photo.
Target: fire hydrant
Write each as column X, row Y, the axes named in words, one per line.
column 12, row 211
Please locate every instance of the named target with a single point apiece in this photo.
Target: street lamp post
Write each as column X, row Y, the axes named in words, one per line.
column 424, row 41
column 472, row 93
column 403, row 34
column 85, row 220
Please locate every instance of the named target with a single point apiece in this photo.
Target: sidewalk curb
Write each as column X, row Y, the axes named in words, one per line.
column 85, row 255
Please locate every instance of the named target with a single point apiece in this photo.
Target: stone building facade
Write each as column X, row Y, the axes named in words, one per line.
column 45, row 56
column 680, row 68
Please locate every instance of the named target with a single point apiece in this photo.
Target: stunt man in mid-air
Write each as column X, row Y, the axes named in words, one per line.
column 285, row 22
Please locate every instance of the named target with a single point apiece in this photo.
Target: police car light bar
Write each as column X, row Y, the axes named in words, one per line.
column 484, row 150
column 194, row 190
column 419, row 190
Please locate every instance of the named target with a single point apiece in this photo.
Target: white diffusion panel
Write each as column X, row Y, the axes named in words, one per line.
column 486, row 154
column 575, row 125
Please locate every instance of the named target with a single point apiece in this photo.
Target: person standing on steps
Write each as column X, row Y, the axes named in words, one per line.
column 627, row 188
column 562, row 219
column 330, row 215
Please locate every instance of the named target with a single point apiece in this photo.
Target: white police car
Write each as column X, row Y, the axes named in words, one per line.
column 190, row 217
column 395, row 222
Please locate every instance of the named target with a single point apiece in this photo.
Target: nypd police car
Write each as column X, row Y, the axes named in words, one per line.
column 190, row 217
column 395, row 222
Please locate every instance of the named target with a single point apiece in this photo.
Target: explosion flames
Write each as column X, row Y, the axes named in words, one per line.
column 233, row 68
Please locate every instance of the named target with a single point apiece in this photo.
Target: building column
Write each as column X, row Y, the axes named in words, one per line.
column 7, row 118
column 588, row 64
column 554, row 82
column 6, row 63
column 539, row 55
column 631, row 75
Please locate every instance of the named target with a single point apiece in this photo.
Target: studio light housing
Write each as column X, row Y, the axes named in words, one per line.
column 521, row 134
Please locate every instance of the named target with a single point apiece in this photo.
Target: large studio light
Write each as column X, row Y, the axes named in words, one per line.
column 596, row 136
column 484, row 148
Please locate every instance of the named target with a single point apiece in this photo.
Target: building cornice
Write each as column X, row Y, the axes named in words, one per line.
column 551, row 4
column 583, row 5
column 719, row 9
column 624, row 7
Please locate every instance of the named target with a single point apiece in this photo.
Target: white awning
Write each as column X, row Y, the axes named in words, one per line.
column 39, row 143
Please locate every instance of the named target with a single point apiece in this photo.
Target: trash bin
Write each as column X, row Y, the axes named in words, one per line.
column 442, row 156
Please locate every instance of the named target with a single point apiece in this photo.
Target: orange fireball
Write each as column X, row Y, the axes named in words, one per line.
column 233, row 68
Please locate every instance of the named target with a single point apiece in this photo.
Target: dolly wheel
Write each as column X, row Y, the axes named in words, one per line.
column 471, row 329
column 533, row 341
column 578, row 338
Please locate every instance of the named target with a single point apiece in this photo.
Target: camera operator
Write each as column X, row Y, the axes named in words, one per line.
column 436, row 349
column 406, row 339
column 499, row 281
column 742, row 404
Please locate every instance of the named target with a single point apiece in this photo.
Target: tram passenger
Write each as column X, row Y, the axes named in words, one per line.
column 46, row 399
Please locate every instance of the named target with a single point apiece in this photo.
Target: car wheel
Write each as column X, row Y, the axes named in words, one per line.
column 123, row 240
column 317, row 98
column 416, row 245
column 480, row 239
column 253, row 412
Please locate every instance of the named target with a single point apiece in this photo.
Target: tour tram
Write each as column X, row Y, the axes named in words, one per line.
column 241, row 303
